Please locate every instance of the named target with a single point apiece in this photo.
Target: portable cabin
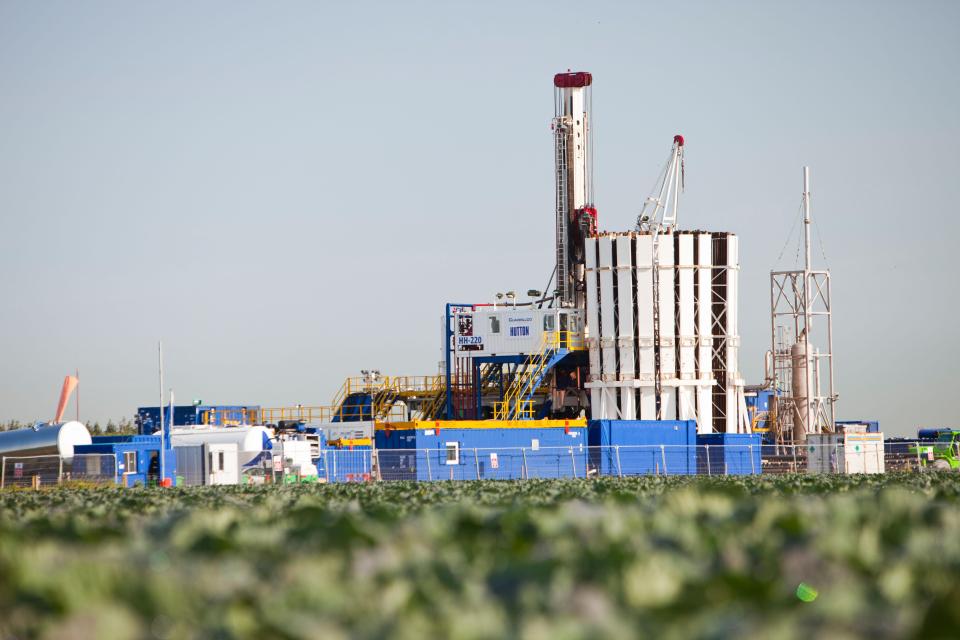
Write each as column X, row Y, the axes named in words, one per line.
column 133, row 460
column 482, row 449
column 208, row 463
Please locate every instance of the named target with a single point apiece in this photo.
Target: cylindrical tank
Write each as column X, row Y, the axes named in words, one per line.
column 799, row 362
column 45, row 439
column 250, row 441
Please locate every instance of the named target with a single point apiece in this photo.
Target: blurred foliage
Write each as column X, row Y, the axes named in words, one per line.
column 641, row 557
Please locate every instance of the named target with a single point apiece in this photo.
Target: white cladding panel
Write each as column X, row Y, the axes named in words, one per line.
column 625, row 338
column 705, row 342
column 668, row 364
column 687, row 330
column 593, row 323
column 608, row 323
column 645, row 366
column 733, row 339
column 608, row 330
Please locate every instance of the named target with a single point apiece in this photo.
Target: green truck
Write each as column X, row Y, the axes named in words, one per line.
column 943, row 453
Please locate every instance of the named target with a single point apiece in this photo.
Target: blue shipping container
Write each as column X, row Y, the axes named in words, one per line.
column 729, row 453
column 642, row 447
column 511, row 453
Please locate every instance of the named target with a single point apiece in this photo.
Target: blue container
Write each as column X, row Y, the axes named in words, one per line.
column 498, row 453
column 729, row 453
column 187, row 415
column 641, row 447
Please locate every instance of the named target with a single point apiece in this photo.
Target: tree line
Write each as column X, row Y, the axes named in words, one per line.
column 125, row 426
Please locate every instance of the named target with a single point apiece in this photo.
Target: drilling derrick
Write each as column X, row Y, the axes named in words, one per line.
column 576, row 213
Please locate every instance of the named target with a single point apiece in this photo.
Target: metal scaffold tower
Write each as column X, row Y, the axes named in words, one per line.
column 801, row 326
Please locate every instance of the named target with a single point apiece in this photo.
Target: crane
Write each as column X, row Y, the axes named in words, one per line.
column 659, row 216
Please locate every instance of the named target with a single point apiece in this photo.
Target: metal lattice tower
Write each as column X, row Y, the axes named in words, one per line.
column 801, row 326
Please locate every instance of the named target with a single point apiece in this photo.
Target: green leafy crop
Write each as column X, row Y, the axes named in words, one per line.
column 779, row 557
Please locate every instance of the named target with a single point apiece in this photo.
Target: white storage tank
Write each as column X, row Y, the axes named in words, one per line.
column 250, row 441
column 45, row 439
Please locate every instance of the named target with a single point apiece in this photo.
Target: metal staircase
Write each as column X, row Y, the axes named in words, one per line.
column 518, row 400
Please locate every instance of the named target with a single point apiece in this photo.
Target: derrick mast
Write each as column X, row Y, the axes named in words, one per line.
column 576, row 215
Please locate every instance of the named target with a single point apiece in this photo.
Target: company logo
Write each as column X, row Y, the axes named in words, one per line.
column 520, row 332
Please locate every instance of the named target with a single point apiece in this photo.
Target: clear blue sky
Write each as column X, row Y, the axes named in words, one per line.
column 287, row 192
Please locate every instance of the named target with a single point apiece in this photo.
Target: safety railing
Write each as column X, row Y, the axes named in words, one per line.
column 403, row 385
column 339, row 413
column 518, row 410
column 229, row 417
column 569, row 340
column 515, row 400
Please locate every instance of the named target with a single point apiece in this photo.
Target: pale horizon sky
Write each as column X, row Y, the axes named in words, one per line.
column 287, row 193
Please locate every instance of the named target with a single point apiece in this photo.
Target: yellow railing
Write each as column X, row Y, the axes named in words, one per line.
column 570, row 340
column 385, row 392
column 402, row 385
column 431, row 409
column 229, row 417
column 272, row 415
column 523, row 410
column 511, row 399
column 513, row 406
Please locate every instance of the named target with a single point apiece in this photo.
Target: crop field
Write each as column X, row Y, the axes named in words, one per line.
column 782, row 557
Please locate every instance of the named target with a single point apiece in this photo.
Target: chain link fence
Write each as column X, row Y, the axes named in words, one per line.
column 52, row 470
column 365, row 464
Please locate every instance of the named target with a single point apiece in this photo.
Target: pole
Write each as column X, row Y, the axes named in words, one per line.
column 163, row 444
column 78, row 395
column 526, row 472
column 807, row 303
column 806, row 216
column 3, row 471
column 476, row 459
column 619, row 466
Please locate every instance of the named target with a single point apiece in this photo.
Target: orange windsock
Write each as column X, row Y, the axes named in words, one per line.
column 69, row 384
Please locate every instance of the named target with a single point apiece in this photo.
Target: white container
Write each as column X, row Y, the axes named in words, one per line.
column 845, row 453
